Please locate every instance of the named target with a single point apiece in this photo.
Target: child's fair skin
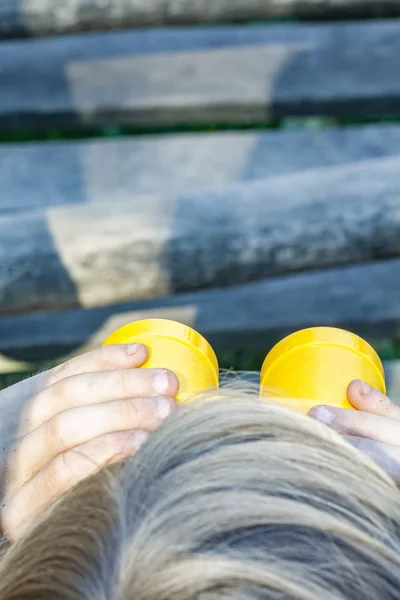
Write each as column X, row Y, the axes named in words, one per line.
column 86, row 413
column 374, row 427
column 100, row 407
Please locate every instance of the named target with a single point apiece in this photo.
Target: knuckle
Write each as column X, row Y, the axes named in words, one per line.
column 106, row 357
column 113, row 445
column 54, row 398
column 63, row 387
column 36, row 413
column 57, row 373
column 142, row 413
column 84, row 363
column 55, row 432
column 100, row 357
column 55, row 475
column 126, row 382
column 129, row 412
column 18, row 468
column 63, row 390
column 104, row 353
column 347, row 423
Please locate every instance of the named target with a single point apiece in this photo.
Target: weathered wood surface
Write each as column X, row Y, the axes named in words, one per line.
column 44, row 17
column 150, row 246
column 392, row 374
column 229, row 74
column 362, row 298
column 91, row 171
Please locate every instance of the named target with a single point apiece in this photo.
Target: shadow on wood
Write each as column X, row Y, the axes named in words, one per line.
column 142, row 247
column 39, row 175
column 364, row 299
column 32, row 276
column 173, row 76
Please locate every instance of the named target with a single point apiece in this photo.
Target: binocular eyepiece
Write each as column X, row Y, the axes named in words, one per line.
column 310, row 367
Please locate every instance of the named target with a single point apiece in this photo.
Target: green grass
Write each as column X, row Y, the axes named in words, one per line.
column 119, row 131
column 292, row 123
column 11, row 378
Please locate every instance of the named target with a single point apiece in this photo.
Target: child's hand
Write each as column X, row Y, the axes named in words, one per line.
column 90, row 411
column 374, row 427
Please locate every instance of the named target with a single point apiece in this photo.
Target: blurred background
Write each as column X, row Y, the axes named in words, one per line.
column 231, row 164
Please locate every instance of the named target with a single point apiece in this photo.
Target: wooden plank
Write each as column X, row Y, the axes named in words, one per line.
column 364, row 299
column 38, row 175
column 44, row 17
column 392, row 374
column 184, row 75
column 154, row 245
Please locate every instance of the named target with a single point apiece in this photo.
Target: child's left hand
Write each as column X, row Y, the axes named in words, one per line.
column 374, row 427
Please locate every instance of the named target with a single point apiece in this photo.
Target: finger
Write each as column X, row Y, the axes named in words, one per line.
column 105, row 358
column 370, row 400
column 386, row 456
column 96, row 388
column 360, row 424
column 63, row 473
column 76, row 426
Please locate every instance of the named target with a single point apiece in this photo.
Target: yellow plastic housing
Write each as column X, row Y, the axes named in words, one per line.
column 314, row 366
column 177, row 347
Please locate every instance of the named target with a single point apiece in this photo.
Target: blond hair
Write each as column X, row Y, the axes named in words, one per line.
column 232, row 499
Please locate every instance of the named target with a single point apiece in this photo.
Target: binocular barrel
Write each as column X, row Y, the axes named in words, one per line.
column 310, row 367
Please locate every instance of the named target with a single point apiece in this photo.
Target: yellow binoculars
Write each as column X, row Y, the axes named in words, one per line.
column 310, row 367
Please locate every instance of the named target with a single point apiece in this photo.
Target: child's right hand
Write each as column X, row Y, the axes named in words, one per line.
column 86, row 413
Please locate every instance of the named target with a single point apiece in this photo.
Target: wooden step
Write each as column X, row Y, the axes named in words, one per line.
column 392, row 373
column 173, row 76
column 138, row 247
column 41, row 17
column 38, row 175
column 364, row 299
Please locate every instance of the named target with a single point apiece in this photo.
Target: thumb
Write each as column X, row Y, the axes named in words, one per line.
column 364, row 397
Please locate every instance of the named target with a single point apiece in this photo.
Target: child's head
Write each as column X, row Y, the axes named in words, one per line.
column 233, row 499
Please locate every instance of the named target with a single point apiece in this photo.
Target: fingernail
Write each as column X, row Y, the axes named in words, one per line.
column 365, row 388
column 164, row 408
column 132, row 349
column 139, row 438
column 161, row 382
column 324, row 415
